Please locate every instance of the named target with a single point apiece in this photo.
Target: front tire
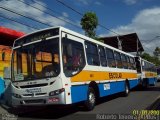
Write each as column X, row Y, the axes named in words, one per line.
column 91, row 99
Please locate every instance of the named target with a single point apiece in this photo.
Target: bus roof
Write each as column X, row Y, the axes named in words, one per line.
column 95, row 41
column 78, row 35
column 147, row 61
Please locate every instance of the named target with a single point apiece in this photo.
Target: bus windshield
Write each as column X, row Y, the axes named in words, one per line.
column 36, row 61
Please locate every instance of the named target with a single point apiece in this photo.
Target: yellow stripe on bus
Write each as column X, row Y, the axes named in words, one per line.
column 150, row 74
column 97, row 76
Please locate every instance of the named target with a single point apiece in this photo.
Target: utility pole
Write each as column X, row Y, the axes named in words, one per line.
column 137, row 47
column 119, row 43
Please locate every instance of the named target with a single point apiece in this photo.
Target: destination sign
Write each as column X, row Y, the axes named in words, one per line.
column 37, row 36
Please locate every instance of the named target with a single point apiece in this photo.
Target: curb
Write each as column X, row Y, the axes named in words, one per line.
column 155, row 105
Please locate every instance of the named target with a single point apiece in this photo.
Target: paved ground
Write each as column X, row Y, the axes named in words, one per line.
column 115, row 104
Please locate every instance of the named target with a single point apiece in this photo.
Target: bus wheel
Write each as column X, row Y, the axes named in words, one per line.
column 154, row 83
column 145, row 83
column 91, row 99
column 126, row 92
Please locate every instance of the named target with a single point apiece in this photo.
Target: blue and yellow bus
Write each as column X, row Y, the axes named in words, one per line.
column 146, row 72
column 59, row 66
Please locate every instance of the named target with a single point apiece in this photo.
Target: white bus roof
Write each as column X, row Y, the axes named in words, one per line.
column 94, row 41
column 147, row 61
column 78, row 35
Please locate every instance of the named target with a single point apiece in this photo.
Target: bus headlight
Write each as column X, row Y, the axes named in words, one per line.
column 56, row 92
column 16, row 95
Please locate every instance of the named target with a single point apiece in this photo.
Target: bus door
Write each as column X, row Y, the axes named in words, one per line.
column 138, row 66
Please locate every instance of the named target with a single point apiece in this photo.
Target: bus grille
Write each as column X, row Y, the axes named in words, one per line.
column 31, row 95
column 36, row 85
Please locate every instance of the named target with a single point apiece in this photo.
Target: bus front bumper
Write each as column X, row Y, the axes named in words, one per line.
column 41, row 100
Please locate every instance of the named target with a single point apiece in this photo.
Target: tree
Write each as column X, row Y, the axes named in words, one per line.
column 157, row 52
column 146, row 56
column 154, row 59
column 89, row 23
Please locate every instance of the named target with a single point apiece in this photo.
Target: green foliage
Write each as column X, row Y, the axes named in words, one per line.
column 157, row 52
column 89, row 23
column 146, row 56
column 155, row 58
column 98, row 39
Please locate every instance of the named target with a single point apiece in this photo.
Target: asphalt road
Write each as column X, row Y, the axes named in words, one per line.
column 138, row 99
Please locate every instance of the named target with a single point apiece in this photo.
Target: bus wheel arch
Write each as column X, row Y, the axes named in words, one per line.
column 94, row 85
column 92, row 96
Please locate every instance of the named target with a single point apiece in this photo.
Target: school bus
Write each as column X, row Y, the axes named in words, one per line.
column 59, row 66
column 146, row 71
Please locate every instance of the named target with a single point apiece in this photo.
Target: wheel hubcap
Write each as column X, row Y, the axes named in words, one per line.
column 127, row 90
column 92, row 98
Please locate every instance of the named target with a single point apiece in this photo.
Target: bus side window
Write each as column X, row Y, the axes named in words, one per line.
column 118, row 59
column 147, row 66
column 110, row 58
column 124, row 61
column 132, row 63
column 128, row 61
column 92, row 54
column 102, row 56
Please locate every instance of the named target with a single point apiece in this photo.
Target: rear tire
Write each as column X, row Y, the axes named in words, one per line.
column 145, row 83
column 154, row 83
column 127, row 90
column 91, row 99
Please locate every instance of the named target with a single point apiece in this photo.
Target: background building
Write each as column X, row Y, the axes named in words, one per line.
column 7, row 37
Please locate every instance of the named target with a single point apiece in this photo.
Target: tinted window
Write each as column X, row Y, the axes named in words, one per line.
column 132, row 63
column 110, row 58
column 34, row 61
column 102, row 56
column 73, row 57
column 118, row 59
column 124, row 61
column 92, row 54
column 128, row 61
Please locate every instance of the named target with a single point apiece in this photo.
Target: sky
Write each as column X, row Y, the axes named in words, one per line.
column 121, row 16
